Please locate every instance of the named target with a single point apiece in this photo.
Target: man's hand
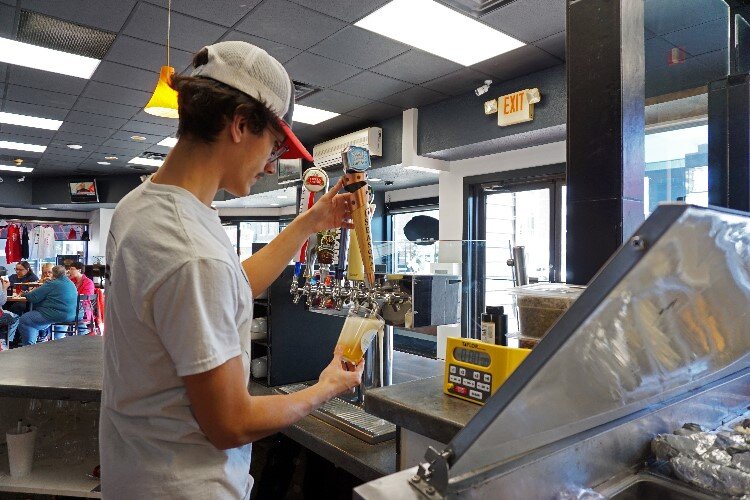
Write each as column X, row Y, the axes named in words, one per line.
column 336, row 378
column 330, row 211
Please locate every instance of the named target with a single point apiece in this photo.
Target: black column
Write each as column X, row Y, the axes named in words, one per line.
column 729, row 142
column 729, row 123
column 605, row 74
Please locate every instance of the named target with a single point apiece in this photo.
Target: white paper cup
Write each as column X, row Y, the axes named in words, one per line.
column 20, row 451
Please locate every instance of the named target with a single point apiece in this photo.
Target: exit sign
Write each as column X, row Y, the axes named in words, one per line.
column 517, row 107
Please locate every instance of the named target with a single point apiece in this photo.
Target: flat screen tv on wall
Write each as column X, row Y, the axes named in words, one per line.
column 84, row 192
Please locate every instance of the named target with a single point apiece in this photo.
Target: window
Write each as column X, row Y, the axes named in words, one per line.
column 256, row 232
column 676, row 167
column 411, row 257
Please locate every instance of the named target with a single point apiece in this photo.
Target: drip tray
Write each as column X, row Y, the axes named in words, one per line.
column 349, row 418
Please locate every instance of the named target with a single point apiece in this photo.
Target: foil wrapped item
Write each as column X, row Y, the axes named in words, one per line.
column 712, row 477
column 741, row 461
column 666, row 446
column 731, row 442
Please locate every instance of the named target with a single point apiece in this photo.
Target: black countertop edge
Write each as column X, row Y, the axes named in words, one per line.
column 420, row 406
column 56, row 393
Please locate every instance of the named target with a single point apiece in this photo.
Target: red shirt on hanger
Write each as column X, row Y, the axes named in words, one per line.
column 13, row 244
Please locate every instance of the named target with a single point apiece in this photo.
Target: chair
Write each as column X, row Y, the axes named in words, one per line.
column 73, row 326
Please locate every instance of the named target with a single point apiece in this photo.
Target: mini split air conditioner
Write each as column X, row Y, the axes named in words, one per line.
column 328, row 154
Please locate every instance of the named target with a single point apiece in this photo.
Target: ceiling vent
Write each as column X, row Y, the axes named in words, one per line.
column 151, row 155
column 302, row 90
column 476, row 8
column 45, row 31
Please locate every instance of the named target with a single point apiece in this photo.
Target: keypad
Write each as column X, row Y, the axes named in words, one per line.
column 470, row 383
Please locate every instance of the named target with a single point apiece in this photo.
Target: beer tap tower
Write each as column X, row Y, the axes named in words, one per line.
column 354, row 282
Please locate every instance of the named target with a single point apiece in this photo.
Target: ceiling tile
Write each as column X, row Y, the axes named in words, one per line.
column 7, row 21
column 281, row 52
column 416, row 66
column 95, row 120
column 124, row 145
column 371, row 86
column 69, row 153
column 346, row 10
column 126, row 76
column 319, row 71
column 71, row 138
column 119, row 95
column 700, row 39
column 37, row 79
column 142, row 116
column 223, row 12
column 458, row 82
column 359, row 47
column 332, row 128
column 105, row 108
column 331, row 100
column 376, row 111
column 145, row 55
column 289, row 23
column 554, row 44
column 125, row 135
column 149, row 22
column 528, row 20
column 23, row 138
column 108, row 15
column 665, row 16
column 24, row 108
column 121, row 153
column 414, row 98
column 77, row 128
column 27, row 131
column 522, row 61
column 149, row 128
column 42, row 97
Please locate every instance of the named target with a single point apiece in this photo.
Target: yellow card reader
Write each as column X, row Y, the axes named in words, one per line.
column 474, row 370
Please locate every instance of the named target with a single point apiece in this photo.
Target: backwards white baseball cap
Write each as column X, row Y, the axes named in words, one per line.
column 253, row 71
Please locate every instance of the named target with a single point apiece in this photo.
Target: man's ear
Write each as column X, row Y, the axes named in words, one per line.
column 237, row 127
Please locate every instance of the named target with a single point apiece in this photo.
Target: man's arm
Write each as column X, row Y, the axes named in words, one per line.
column 38, row 294
column 263, row 267
column 230, row 417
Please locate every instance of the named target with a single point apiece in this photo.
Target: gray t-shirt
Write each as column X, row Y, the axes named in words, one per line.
column 178, row 304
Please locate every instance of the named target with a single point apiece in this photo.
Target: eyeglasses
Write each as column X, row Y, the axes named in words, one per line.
column 279, row 149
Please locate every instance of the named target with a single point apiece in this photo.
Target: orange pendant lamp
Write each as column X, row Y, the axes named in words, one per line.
column 163, row 101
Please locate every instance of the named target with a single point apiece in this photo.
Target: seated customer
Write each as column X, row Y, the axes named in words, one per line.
column 24, row 274
column 84, row 286
column 8, row 320
column 54, row 302
column 46, row 272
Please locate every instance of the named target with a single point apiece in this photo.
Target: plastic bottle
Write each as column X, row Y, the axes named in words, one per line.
column 501, row 324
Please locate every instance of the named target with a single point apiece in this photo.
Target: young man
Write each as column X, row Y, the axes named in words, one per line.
column 176, row 416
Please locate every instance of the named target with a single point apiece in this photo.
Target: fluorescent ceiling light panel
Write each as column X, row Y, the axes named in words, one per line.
column 437, row 29
column 56, row 61
column 311, row 116
column 20, row 146
column 149, row 162
column 29, row 121
column 13, row 168
column 168, row 142
column 423, row 169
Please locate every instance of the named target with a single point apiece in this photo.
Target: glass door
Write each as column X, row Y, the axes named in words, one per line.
column 520, row 216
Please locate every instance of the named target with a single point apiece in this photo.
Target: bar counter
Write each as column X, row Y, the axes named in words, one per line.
column 71, row 369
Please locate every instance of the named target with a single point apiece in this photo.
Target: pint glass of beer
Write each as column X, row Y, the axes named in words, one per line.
column 361, row 326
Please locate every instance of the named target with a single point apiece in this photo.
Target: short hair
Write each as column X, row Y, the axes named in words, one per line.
column 24, row 265
column 77, row 265
column 206, row 106
column 47, row 264
column 58, row 272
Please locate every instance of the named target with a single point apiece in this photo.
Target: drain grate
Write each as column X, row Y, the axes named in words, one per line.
column 45, row 31
column 350, row 418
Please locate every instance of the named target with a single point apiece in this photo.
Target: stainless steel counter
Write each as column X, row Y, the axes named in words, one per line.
column 71, row 369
